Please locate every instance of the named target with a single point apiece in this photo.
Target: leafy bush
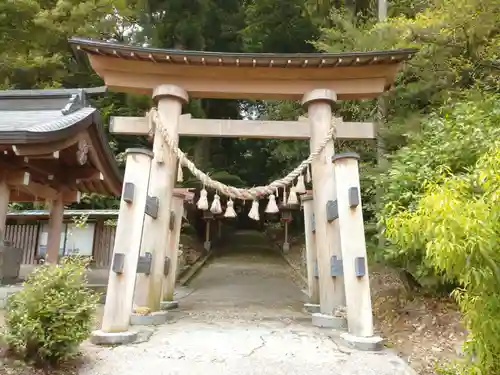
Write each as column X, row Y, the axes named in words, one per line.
column 52, row 314
column 451, row 141
column 457, row 223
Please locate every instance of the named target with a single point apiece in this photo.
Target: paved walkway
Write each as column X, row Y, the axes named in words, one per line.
column 243, row 316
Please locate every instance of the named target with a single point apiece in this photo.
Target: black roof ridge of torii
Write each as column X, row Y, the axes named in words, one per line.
column 348, row 58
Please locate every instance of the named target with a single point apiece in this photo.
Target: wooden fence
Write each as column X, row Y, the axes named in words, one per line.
column 25, row 237
column 104, row 240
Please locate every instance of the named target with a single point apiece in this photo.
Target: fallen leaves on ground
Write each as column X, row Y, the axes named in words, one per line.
column 426, row 331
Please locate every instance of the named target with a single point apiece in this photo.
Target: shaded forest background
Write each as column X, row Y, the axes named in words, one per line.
column 434, row 196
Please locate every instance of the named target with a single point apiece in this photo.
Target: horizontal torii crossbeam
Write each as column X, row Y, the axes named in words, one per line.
column 193, row 127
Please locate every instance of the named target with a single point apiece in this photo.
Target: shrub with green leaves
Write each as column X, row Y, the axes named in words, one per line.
column 457, row 223
column 451, row 141
column 52, row 314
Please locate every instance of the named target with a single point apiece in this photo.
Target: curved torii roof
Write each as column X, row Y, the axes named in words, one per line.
column 243, row 75
column 52, row 141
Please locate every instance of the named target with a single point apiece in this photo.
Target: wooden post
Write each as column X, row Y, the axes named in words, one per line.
column 286, row 244
column 55, row 228
column 332, row 296
column 311, row 255
column 207, row 245
column 173, row 252
column 129, row 229
column 352, row 237
column 169, row 99
column 4, row 207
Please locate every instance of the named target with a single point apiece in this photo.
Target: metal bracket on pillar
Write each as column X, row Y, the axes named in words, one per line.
column 332, row 211
column 316, row 270
column 360, row 266
column 171, row 223
column 128, row 192
column 353, row 197
column 118, row 263
column 166, row 266
column 336, row 267
column 144, row 264
column 313, row 223
column 151, row 208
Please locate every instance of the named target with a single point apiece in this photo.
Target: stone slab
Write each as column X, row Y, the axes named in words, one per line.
column 113, row 338
column 154, row 319
column 373, row 343
column 312, row 308
column 329, row 321
column 169, row 305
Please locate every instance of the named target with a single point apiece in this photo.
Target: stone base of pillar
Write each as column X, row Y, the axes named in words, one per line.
column 312, row 308
column 169, row 305
column 154, row 319
column 286, row 247
column 373, row 343
column 329, row 321
column 113, row 338
column 207, row 245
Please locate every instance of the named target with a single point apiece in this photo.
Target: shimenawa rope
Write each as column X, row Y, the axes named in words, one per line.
column 231, row 191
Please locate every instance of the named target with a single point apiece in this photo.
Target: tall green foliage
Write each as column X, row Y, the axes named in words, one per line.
column 451, row 140
column 457, row 224
column 278, row 26
column 34, row 33
column 457, row 41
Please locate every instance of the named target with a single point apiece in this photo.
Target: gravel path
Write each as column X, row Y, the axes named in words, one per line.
column 244, row 316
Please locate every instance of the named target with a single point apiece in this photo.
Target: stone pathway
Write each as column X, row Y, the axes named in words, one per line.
column 242, row 316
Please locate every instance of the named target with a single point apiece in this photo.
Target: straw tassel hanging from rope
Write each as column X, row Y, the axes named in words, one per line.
column 272, row 207
column 230, row 212
column 308, row 174
column 216, row 207
column 300, row 188
column 203, row 201
column 254, row 211
column 292, row 197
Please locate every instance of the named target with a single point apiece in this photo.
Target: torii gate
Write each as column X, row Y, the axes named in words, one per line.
column 172, row 76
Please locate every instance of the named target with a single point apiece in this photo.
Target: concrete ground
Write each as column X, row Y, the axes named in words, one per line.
column 243, row 315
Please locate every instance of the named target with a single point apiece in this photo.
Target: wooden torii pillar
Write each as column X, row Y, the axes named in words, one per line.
column 331, row 284
column 355, row 265
column 169, row 301
column 155, row 238
column 122, row 276
column 311, row 255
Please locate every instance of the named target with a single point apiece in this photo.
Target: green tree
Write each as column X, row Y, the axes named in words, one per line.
column 457, row 223
column 278, row 26
column 451, row 140
column 33, row 35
